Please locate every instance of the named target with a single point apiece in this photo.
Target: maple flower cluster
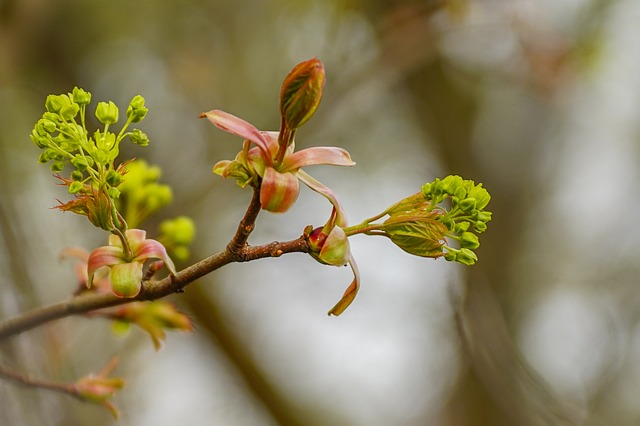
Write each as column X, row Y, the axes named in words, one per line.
column 419, row 225
column 443, row 220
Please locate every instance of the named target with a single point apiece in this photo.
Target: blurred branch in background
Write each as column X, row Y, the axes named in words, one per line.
column 521, row 395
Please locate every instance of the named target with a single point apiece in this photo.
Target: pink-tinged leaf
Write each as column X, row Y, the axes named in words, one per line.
column 278, row 191
column 103, row 256
column 301, row 92
column 329, row 155
column 152, row 249
column 351, row 291
column 126, row 279
column 232, row 124
column 341, row 218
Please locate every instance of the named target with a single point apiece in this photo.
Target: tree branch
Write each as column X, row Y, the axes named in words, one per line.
column 32, row 382
column 237, row 251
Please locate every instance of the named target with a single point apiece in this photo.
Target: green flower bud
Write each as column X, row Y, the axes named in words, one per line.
column 80, row 96
column 461, row 193
column 480, row 226
column 469, row 240
column 450, row 256
column 39, row 140
column 180, row 231
column 157, row 196
column 114, row 178
column 55, row 102
column 467, row 204
column 139, row 138
column 426, row 189
column 107, row 113
column 103, row 141
column 75, row 187
column 69, row 112
column 459, row 228
column 113, row 193
column 136, row 110
column 57, row 166
column 301, row 92
column 44, row 157
column 81, row 163
column 47, row 126
column 483, row 216
column 452, row 183
column 51, row 116
column 481, row 195
column 77, row 175
column 436, row 188
column 100, row 156
column 180, row 253
column 466, row 257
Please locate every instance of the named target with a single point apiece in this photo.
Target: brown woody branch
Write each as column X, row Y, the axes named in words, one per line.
column 236, row 251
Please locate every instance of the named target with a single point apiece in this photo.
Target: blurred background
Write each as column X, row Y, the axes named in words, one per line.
column 538, row 100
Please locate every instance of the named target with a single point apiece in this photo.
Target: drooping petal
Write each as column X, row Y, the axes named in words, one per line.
column 278, row 191
column 152, row 249
column 126, row 279
column 317, row 155
column 103, row 256
column 232, row 124
column 341, row 218
column 351, row 291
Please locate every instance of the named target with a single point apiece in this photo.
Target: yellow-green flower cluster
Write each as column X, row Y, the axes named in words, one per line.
column 465, row 219
column 421, row 224
column 63, row 137
column 141, row 193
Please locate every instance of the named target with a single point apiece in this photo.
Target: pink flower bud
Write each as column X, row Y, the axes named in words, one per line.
column 301, row 92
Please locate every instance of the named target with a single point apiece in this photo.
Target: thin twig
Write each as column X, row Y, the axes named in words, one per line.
column 32, row 382
column 237, row 251
column 246, row 225
column 151, row 290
